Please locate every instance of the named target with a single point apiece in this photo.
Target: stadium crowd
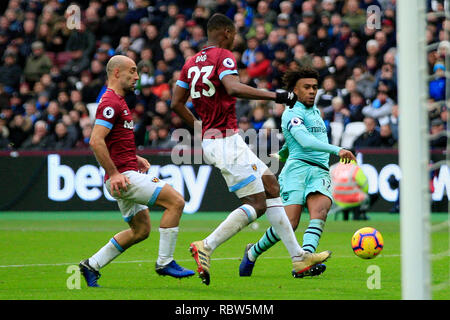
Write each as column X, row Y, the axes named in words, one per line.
column 53, row 67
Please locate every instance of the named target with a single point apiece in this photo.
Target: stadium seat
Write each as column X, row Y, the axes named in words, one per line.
column 352, row 131
column 337, row 128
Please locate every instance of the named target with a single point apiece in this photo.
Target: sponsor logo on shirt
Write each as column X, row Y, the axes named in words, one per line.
column 128, row 124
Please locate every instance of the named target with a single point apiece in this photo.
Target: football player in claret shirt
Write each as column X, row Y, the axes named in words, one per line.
column 211, row 79
column 112, row 142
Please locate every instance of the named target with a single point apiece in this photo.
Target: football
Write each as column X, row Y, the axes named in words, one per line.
column 367, row 243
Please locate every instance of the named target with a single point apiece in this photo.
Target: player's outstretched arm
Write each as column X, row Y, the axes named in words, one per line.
column 346, row 156
column 238, row 89
column 178, row 105
column 98, row 146
column 308, row 141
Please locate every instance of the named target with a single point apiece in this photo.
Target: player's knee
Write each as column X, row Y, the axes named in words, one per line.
column 260, row 208
column 271, row 186
column 177, row 204
column 141, row 234
column 273, row 191
column 294, row 224
column 320, row 213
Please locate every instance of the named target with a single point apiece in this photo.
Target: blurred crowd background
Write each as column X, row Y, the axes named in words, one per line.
column 52, row 70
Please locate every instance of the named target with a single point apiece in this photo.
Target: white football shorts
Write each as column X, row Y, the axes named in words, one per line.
column 141, row 193
column 240, row 167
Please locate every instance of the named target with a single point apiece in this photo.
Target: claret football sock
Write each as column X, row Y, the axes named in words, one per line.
column 236, row 220
column 167, row 243
column 106, row 254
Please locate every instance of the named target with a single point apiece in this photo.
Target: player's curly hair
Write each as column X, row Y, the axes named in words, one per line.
column 291, row 77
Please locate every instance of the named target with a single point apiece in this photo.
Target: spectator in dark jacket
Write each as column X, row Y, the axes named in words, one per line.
column 355, row 107
column 81, row 39
column 60, row 139
column 76, row 65
column 370, row 138
column 439, row 139
column 386, row 137
column 327, row 93
column 20, row 129
column 10, row 73
column 342, row 72
column 39, row 140
column 112, row 25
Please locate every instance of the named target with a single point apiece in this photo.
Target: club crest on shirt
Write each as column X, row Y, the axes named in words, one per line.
column 108, row 112
column 254, row 167
column 155, row 180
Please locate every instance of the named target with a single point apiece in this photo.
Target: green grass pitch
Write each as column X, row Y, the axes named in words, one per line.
column 40, row 249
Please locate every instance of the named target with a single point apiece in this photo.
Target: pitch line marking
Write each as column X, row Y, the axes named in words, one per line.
column 152, row 261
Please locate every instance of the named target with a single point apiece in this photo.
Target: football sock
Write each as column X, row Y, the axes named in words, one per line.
column 236, row 220
column 282, row 227
column 266, row 242
column 106, row 254
column 167, row 242
column 312, row 235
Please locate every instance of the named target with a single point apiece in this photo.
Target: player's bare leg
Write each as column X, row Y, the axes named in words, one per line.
column 277, row 217
column 138, row 231
column 303, row 262
column 318, row 206
column 294, row 212
column 281, row 228
column 253, row 207
column 173, row 203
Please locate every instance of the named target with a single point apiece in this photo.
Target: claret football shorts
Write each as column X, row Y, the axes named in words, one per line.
column 240, row 167
column 141, row 193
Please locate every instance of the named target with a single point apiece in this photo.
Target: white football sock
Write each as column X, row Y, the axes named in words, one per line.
column 167, row 242
column 236, row 220
column 278, row 219
column 106, row 254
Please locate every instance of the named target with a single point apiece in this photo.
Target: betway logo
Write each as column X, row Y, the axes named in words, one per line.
column 87, row 181
column 379, row 181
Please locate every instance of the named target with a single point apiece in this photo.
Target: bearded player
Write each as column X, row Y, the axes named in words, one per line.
column 112, row 142
column 210, row 79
